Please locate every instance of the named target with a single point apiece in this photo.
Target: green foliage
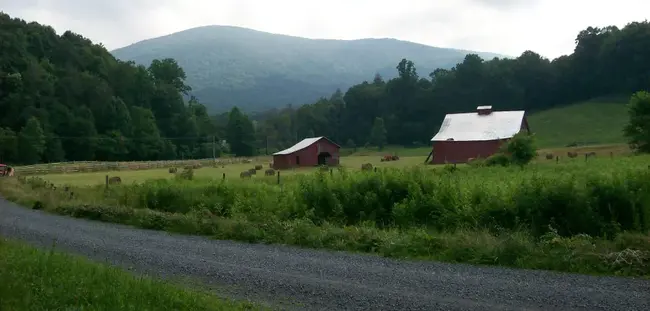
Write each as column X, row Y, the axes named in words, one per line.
column 497, row 159
column 69, row 99
column 378, row 133
column 240, row 133
column 521, row 149
column 8, row 144
column 33, row 279
column 638, row 128
column 31, row 141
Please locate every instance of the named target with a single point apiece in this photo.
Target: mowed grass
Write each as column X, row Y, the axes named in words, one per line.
column 595, row 122
column 33, row 279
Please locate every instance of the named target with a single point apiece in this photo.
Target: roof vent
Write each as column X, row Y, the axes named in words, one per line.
column 484, row 110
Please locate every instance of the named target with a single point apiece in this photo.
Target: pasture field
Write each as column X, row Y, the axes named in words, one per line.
column 586, row 216
column 34, row 279
column 594, row 122
column 231, row 171
column 409, row 157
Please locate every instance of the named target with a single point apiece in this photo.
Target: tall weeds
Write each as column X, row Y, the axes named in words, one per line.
column 597, row 200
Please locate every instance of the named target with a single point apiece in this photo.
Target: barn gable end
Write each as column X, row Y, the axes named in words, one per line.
column 308, row 152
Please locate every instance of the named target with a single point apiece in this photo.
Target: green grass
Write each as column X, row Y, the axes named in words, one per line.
column 576, row 215
column 595, row 122
column 32, row 279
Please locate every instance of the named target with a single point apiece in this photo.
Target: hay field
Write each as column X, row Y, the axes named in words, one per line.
column 231, row 171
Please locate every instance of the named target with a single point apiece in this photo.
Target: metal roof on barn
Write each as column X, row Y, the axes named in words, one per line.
column 473, row 126
column 302, row 145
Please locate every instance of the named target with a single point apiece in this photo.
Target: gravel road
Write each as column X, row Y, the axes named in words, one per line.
column 292, row 278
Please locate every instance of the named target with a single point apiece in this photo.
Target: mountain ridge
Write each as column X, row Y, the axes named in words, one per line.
column 252, row 30
column 257, row 70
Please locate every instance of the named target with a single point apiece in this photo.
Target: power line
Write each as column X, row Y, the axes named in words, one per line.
column 208, row 138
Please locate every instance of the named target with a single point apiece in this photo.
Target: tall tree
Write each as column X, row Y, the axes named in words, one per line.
column 638, row 128
column 31, row 141
column 8, row 145
column 240, row 133
column 378, row 133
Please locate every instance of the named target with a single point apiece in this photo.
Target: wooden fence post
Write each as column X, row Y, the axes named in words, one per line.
column 224, row 176
column 278, row 177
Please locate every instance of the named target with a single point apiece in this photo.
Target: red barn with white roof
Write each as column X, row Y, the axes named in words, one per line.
column 463, row 136
column 308, row 152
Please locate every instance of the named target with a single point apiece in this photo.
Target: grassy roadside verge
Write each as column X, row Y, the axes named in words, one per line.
column 626, row 255
column 33, row 279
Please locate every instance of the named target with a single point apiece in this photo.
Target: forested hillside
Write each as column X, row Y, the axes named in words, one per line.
column 409, row 109
column 254, row 70
column 63, row 97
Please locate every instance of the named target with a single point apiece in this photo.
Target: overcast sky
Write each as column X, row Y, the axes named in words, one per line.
column 509, row 27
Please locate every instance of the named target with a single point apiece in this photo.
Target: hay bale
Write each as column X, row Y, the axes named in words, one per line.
column 252, row 171
column 366, row 167
column 549, row 156
column 258, row 167
column 245, row 174
column 394, row 158
column 114, row 180
column 173, row 170
column 269, row 172
column 572, row 154
column 187, row 174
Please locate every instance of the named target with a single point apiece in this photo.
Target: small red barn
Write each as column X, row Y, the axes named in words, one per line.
column 479, row 134
column 308, row 152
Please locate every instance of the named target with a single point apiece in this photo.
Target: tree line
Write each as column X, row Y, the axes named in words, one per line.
column 65, row 98
column 408, row 110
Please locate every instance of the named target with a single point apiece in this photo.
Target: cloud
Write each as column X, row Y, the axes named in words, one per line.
column 502, row 26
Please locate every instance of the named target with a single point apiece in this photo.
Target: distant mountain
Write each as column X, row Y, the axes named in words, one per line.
column 255, row 70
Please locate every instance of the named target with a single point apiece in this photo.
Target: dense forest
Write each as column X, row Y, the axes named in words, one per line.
column 65, row 98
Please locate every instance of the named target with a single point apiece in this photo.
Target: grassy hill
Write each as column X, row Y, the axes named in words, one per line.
column 594, row 122
column 256, row 70
column 592, row 125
